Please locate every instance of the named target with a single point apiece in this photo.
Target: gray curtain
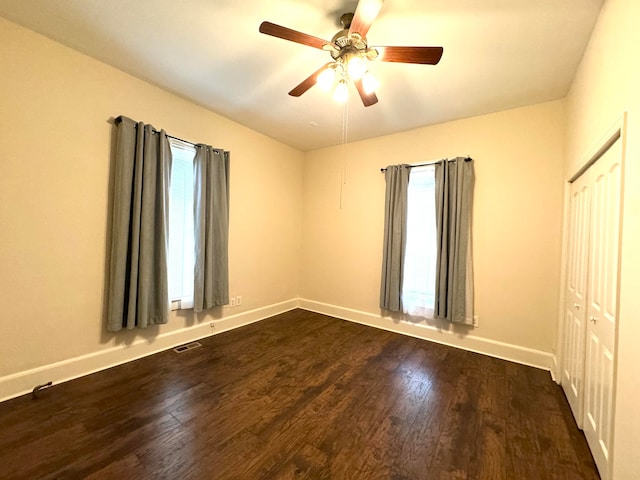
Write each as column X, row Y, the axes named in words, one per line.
column 454, row 273
column 395, row 236
column 211, row 221
column 138, row 286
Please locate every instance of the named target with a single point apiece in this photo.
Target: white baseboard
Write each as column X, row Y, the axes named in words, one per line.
column 555, row 374
column 23, row 382
column 505, row 351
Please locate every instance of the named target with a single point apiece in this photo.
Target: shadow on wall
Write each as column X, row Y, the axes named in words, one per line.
column 459, row 330
column 106, row 336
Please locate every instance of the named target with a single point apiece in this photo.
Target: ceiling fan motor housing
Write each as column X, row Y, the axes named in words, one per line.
column 349, row 45
column 345, row 20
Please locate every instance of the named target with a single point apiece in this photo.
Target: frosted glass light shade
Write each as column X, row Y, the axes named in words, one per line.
column 369, row 83
column 326, row 79
column 341, row 93
column 356, row 67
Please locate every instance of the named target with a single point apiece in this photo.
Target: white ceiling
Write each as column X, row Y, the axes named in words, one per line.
column 498, row 54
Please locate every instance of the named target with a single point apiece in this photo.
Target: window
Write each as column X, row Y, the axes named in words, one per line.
column 181, row 241
column 418, row 285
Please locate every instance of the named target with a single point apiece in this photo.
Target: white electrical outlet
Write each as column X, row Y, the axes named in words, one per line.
column 232, row 303
column 475, row 321
column 239, row 300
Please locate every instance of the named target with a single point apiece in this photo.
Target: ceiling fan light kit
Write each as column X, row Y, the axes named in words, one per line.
column 327, row 78
column 341, row 92
column 369, row 83
column 335, row 76
column 351, row 54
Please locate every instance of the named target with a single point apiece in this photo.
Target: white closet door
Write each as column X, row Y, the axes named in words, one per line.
column 575, row 297
column 602, row 296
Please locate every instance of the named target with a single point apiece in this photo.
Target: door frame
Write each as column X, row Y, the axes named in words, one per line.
column 617, row 132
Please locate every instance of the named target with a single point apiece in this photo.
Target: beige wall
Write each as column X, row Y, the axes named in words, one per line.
column 606, row 85
column 517, row 218
column 55, row 135
column 56, row 144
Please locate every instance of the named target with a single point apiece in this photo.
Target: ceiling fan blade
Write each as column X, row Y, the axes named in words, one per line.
column 368, row 99
column 308, row 82
column 292, row 35
column 423, row 55
column 366, row 13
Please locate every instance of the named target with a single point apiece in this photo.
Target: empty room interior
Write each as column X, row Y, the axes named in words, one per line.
column 301, row 368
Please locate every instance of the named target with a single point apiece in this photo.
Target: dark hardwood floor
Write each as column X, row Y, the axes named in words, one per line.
column 299, row 395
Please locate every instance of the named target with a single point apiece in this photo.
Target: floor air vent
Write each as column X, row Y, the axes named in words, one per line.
column 188, row 346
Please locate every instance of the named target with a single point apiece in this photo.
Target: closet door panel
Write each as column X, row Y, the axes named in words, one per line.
column 602, row 296
column 576, row 294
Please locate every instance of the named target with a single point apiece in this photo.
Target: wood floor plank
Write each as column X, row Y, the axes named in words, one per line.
column 299, row 396
column 458, row 439
column 492, row 460
column 418, row 450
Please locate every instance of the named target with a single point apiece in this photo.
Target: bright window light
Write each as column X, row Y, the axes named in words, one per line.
column 181, row 229
column 419, row 281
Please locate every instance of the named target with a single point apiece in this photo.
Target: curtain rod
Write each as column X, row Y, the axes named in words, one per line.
column 467, row 159
column 182, row 140
column 155, row 132
column 194, row 145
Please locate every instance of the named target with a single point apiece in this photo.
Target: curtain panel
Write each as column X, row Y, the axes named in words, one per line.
column 211, row 221
column 138, row 284
column 395, row 237
column 454, row 271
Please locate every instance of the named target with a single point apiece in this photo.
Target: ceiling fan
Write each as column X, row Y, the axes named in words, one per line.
column 350, row 53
